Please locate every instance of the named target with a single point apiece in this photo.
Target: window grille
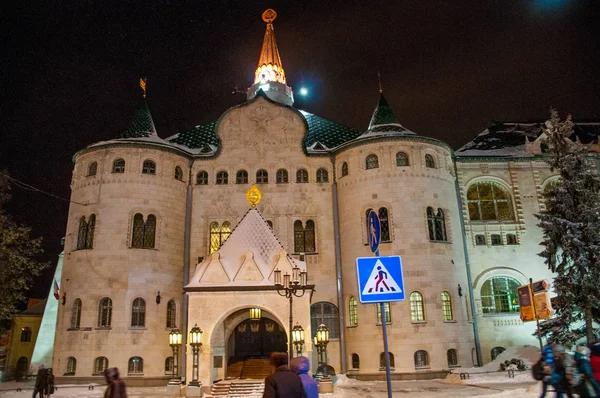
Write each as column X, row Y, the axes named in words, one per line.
column 436, row 223
column 149, row 167
column 497, row 351
column 382, row 360
column 218, row 235
column 178, row 173
column 26, row 335
column 372, row 162
column 480, row 240
column 511, row 239
column 401, row 159
column 388, row 313
column 322, row 175
column 452, row 357
column 499, row 294
column 136, row 365
column 222, row 178
column 301, row 176
column 327, row 314
column 104, row 312
column 262, row 177
column 355, row 361
column 202, row 178
column 304, row 237
column 496, row 240
column 85, row 236
column 447, row 307
column 282, row 176
column 421, row 359
column 353, row 311
column 241, row 177
column 71, row 366
column 384, row 224
column 118, row 166
column 489, row 201
column 76, row 314
column 417, row 310
column 143, row 233
column 344, row 169
column 92, row 169
column 100, row 365
column 171, row 314
column 429, row 162
column 138, row 313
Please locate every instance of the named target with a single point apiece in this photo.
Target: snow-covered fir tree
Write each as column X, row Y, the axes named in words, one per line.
column 571, row 229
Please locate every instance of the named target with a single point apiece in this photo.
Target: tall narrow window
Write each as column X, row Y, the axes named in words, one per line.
column 262, row 176
column 281, row 177
column 202, row 178
column 222, row 178
column 171, row 314
column 322, row 175
column 355, row 361
column 436, row 223
column 372, row 162
column 118, row 166
column 76, row 314
column 401, row 159
column 327, row 314
column 489, row 201
column 26, row 335
column 499, row 294
column 382, row 361
column 446, row 307
column 511, row 239
column 100, row 365
column 81, row 236
column 104, row 312
column 241, row 177
column 384, row 224
column 301, row 176
column 353, row 311
column 218, row 235
column 71, row 366
column 143, row 233
column 92, row 169
column 344, row 169
column 149, row 167
column 388, row 313
column 138, row 313
column 178, row 173
column 452, row 357
column 136, row 365
column 429, row 162
column 169, row 366
column 85, row 236
column 304, row 237
column 421, row 359
column 417, row 311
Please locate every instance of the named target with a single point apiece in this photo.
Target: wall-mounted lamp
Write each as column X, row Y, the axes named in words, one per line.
column 459, row 290
column 158, row 297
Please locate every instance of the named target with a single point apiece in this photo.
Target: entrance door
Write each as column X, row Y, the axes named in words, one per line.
column 22, row 365
column 259, row 338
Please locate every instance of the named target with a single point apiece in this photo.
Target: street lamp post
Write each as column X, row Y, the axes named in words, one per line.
column 321, row 341
column 290, row 287
column 196, row 343
column 175, row 343
column 298, row 334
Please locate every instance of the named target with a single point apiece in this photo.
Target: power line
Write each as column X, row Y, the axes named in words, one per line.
column 28, row 187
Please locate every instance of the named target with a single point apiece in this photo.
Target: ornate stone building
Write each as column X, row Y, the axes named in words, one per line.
column 160, row 236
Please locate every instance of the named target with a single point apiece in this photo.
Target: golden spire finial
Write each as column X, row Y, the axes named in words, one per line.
column 253, row 196
column 143, row 85
column 269, row 15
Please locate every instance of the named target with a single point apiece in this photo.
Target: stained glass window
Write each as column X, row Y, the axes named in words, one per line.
column 499, row 294
column 353, row 311
column 372, row 162
column 446, row 307
column 241, row 177
column 401, row 159
column 489, row 201
column 202, row 178
column 281, row 177
column 417, row 309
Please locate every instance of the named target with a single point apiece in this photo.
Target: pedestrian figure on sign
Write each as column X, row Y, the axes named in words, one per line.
column 381, row 275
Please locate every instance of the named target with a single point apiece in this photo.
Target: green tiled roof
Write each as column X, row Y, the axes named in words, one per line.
column 198, row 137
column 328, row 133
column 141, row 124
column 383, row 114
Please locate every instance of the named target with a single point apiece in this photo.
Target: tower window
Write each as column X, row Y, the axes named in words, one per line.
column 421, row 360
column 344, row 169
column 429, row 162
column 76, row 314
column 417, row 309
column 322, row 175
column 100, row 365
column 143, row 233
column 118, row 166
column 71, row 366
column 388, row 313
column 92, row 169
column 202, row 178
column 222, row 178
column 382, row 361
column 85, row 237
column 281, row 177
column 26, row 335
column 241, row 177
column 301, row 176
column 171, row 314
column 304, row 237
column 104, row 312
column 446, row 307
column 262, row 176
column 401, row 159
column 372, row 162
column 452, row 357
column 149, row 167
column 138, row 313
column 136, row 365
column 436, row 223
column 353, row 311
column 178, row 173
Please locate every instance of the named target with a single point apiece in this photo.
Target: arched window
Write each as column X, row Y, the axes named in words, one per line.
column 304, row 237
column 143, row 233
column 382, row 361
column 149, row 167
column 446, row 307
column 388, row 313
column 26, row 335
column 429, row 162
column 71, row 366
column 100, row 365
column 372, row 162
column 118, row 166
column 452, row 357
column 327, row 314
column 76, row 314
column 344, row 169
column 178, row 173
column 202, row 178
column 281, row 177
column 218, row 235
column 169, row 366
column 355, row 361
column 136, row 365
column 222, row 178
column 104, row 312
column 92, row 169
column 417, row 310
column 421, row 359
column 401, row 159
column 436, row 222
column 496, row 239
column 241, row 177
column 497, row 351
column 499, row 294
column 301, row 176
column 489, row 201
column 384, row 223
column 480, row 240
column 171, row 314
column 262, row 176
column 138, row 313
column 322, row 175
column 353, row 311
column 81, row 236
column 85, row 236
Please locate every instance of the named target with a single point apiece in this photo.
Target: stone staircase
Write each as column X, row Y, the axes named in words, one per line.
column 234, row 368
column 247, row 388
column 256, row 368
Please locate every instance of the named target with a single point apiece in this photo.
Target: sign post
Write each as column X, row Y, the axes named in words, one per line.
column 535, row 303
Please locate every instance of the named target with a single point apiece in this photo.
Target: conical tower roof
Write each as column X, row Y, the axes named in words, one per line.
column 269, row 63
column 141, row 124
column 384, row 120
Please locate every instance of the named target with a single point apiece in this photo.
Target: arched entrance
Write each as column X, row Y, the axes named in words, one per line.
column 22, row 366
column 257, row 338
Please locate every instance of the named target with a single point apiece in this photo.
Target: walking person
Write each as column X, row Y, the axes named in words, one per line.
column 301, row 366
column 40, row 382
column 595, row 362
column 116, row 387
column 49, row 390
column 588, row 387
column 282, row 383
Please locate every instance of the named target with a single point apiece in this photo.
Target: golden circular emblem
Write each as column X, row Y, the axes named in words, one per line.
column 269, row 15
column 253, row 196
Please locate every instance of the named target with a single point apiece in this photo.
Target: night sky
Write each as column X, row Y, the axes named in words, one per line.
column 70, row 72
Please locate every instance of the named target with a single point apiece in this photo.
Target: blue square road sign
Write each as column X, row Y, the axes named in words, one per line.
column 380, row 279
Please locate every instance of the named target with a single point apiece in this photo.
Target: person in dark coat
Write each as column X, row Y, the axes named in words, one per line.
column 40, row 382
column 49, row 390
column 301, row 366
column 116, row 387
column 282, row 383
column 595, row 361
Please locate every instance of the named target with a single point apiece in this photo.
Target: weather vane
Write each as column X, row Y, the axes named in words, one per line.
column 253, row 196
column 269, row 15
column 143, row 85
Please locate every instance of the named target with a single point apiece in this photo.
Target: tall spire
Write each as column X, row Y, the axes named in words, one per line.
column 384, row 120
column 270, row 76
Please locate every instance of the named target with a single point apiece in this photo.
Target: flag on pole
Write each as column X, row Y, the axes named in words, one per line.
column 56, row 290
column 143, row 85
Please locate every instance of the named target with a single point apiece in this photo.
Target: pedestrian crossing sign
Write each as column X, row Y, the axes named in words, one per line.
column 380, row 279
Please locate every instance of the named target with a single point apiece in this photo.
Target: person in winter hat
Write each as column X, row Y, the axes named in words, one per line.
column 116, row 387
column 282, row 383
column 589, row 387
column 49, row 390
column 40, row 382
column 595, row 361
column 301, row 366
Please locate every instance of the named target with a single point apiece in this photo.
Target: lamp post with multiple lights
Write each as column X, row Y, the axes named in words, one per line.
column 298, row 338
column 321, row 341
column 196, row 343
column 291, row 286
column 175, row 343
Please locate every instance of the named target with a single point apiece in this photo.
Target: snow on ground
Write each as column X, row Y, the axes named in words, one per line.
column 529, row 354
